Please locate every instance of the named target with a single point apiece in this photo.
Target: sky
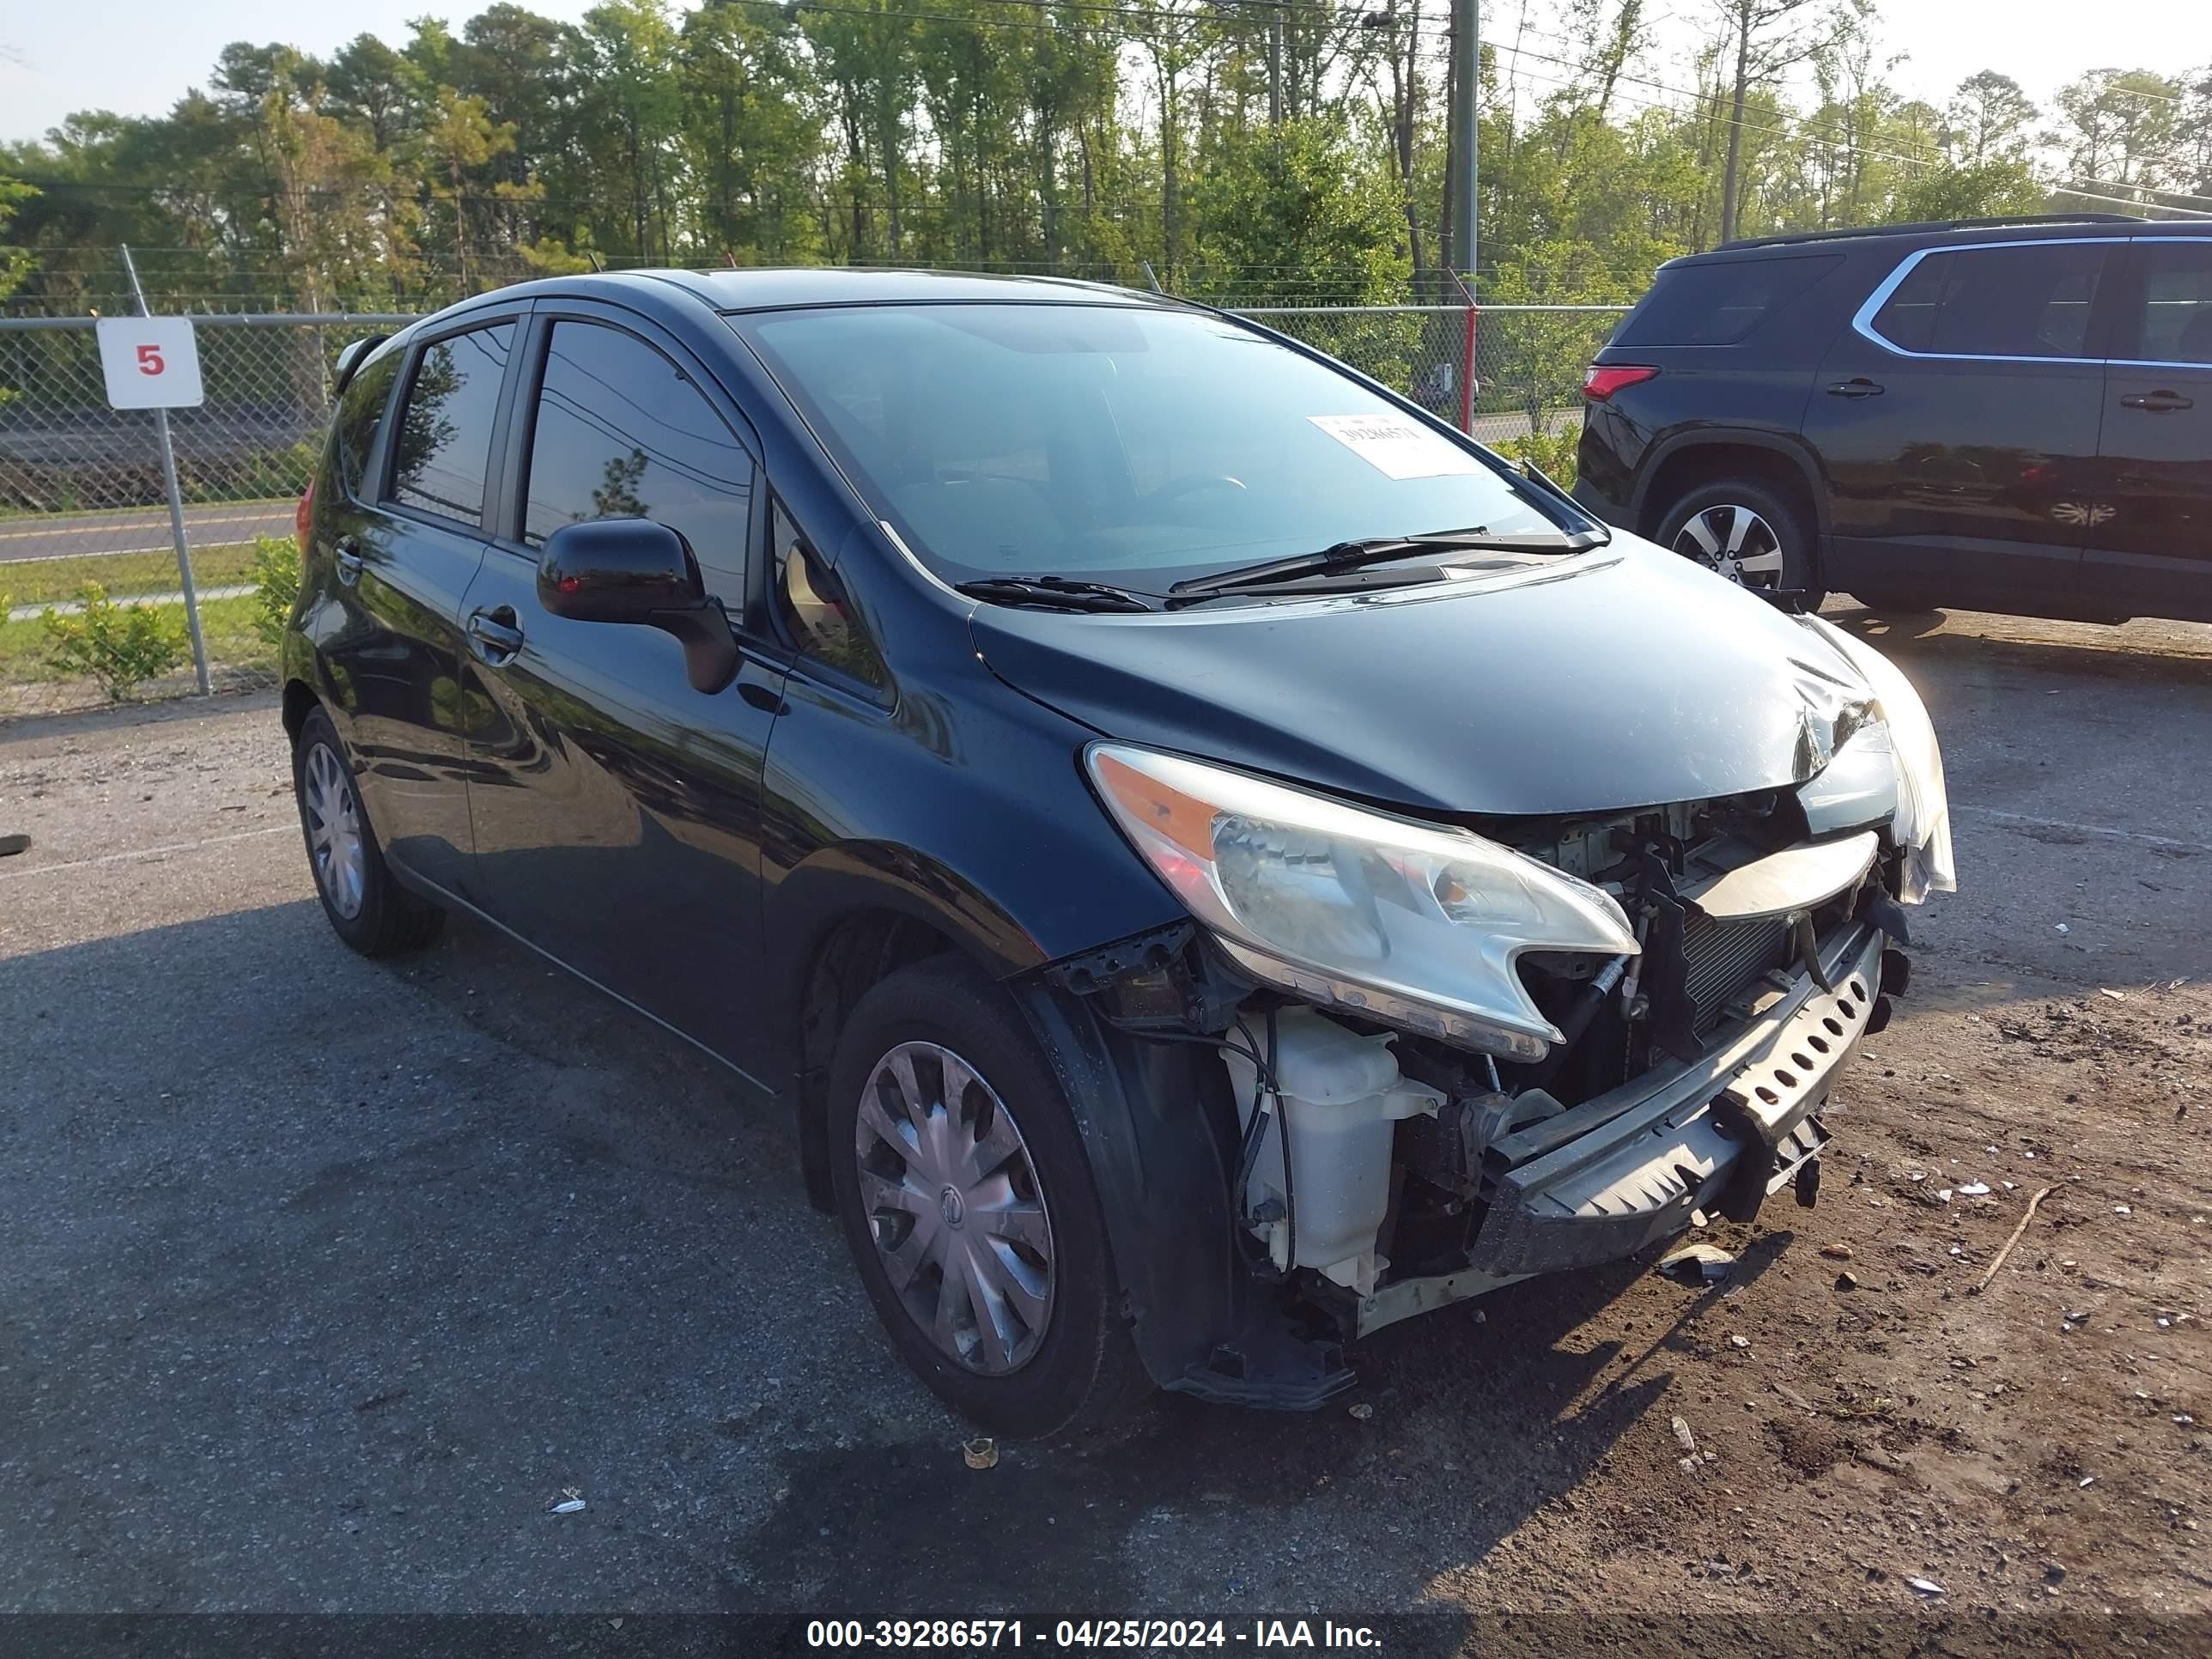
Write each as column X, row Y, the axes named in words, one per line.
column 138, row 57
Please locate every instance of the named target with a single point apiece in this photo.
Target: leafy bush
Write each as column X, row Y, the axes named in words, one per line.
column 120, row 646
column 276, row 587
column 1552, row 454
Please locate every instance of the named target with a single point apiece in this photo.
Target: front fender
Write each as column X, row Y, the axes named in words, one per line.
column 1157, row 1122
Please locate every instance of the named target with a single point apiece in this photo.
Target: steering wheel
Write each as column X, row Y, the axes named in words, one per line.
column 1174, row 489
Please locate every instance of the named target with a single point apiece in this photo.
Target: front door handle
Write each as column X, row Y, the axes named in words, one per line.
column 2158, row 401
column 350, row 560
column 493, row 635
column 1858, row 386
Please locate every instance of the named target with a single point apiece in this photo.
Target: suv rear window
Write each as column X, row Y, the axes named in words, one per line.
column 1721, row 303
column 2030, row 300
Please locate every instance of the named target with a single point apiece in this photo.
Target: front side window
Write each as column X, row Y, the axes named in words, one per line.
column 1119, row 444
column 446, row 424
column 2030, row 300
column 622, row 433
column 2173, row 322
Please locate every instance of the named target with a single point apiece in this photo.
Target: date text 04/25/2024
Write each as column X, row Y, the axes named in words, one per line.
column 1124, row 1634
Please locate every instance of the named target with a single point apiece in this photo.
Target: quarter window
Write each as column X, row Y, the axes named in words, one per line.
column 1720, row 303
column 622, row 433
column 445, row 429
column 2030, row 300
column 361, row 412
column 2174, row 323
column 810, row 604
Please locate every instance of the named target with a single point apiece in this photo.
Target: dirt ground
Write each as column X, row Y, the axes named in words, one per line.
column 326, row 1279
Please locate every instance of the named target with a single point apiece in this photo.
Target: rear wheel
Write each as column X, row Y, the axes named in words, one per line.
column 368, row 909
column 1747, row 533
column 968, row 1204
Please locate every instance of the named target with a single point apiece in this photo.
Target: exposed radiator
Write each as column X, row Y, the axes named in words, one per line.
column 1724, row 957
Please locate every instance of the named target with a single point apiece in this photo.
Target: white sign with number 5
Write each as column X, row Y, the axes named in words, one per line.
column 150, row 362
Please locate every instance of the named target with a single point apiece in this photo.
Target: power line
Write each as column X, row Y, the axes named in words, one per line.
column 1809, row 129
column 2125, row 201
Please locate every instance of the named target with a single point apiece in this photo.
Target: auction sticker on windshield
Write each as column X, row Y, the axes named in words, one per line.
column 1397, row 447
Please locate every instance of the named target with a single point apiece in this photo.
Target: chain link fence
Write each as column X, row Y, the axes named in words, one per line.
column 85, row 536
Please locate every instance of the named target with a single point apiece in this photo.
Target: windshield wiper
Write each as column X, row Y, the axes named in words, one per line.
column 1351, row 556
column 1054, row 593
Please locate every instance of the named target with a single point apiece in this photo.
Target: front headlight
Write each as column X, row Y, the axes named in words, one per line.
column 1403, row 922
column 1923, row 824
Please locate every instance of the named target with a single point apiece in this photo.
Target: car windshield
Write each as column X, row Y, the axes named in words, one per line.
column 1122, row 444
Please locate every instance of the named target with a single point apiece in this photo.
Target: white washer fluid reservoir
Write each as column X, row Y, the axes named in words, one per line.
column 1339, row 1093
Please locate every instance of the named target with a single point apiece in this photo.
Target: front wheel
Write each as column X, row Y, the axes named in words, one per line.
column 968, row 1205
column 1748, row 533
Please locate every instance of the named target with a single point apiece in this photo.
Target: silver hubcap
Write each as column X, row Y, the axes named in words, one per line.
column 953, row 1205
column 1735, row 541
column 333, row 820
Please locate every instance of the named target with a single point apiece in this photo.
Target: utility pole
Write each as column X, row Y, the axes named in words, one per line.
column 1275, row 64
column 1275, row 9
column 1467, row 53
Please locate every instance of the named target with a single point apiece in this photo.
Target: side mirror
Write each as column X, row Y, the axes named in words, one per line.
column 632, row 570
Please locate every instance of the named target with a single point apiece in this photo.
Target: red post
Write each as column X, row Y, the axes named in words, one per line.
column 1466, row 375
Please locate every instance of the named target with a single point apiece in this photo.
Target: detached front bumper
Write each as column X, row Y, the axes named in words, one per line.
column 1602, row 1180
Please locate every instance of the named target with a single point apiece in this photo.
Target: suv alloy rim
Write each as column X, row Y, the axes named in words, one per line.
column 953, row 1205
column 334, row 831
column 1735, row 541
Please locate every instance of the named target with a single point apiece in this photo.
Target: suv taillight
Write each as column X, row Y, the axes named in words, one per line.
column 303, row 516
column 1601, row 380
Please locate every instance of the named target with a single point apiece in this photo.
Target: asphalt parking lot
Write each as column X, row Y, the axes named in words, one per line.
column 326, row 1279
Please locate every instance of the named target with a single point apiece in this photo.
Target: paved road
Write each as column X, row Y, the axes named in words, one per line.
column 326, row 1278
column 139, row 530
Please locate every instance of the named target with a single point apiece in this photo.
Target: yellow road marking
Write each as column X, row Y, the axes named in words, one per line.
column 190, row 523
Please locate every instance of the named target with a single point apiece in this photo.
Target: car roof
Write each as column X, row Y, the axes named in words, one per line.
column 770, row 289
column 2051, row 227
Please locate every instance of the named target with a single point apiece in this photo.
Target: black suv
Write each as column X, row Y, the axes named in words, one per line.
column 2004, row 415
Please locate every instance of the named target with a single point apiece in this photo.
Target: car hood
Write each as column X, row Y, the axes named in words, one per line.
column 1623, row 677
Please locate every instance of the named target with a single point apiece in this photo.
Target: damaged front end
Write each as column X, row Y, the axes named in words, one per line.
column 1459, row 1055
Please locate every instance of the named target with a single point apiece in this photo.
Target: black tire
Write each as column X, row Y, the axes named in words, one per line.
column 1800, row 560
column 1083, row 1373
column 388, row 918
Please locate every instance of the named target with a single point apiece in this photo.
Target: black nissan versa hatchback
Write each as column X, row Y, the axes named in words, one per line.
column 2010, row 415
column 1210, row 861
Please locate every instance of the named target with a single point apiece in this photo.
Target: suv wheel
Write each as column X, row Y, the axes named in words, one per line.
column 370, row 910
column 1748, row 533
column 968, row 1203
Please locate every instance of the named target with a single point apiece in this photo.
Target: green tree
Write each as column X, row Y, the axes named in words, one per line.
column 2119, row 129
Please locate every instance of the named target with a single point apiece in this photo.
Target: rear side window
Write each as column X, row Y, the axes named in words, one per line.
column 2174, row 325
column 1721, row 303
column 361, row 412
column 2028, row 300
column 622, row 433
column 445, row 427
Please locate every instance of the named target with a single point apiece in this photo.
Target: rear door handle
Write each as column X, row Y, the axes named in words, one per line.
column 350, row 560
column 2158, row 403
column 493, row 635
column 1858, row 386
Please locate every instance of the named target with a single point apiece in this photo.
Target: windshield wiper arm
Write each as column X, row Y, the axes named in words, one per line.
column 1054, row 593
column 1350, row 556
